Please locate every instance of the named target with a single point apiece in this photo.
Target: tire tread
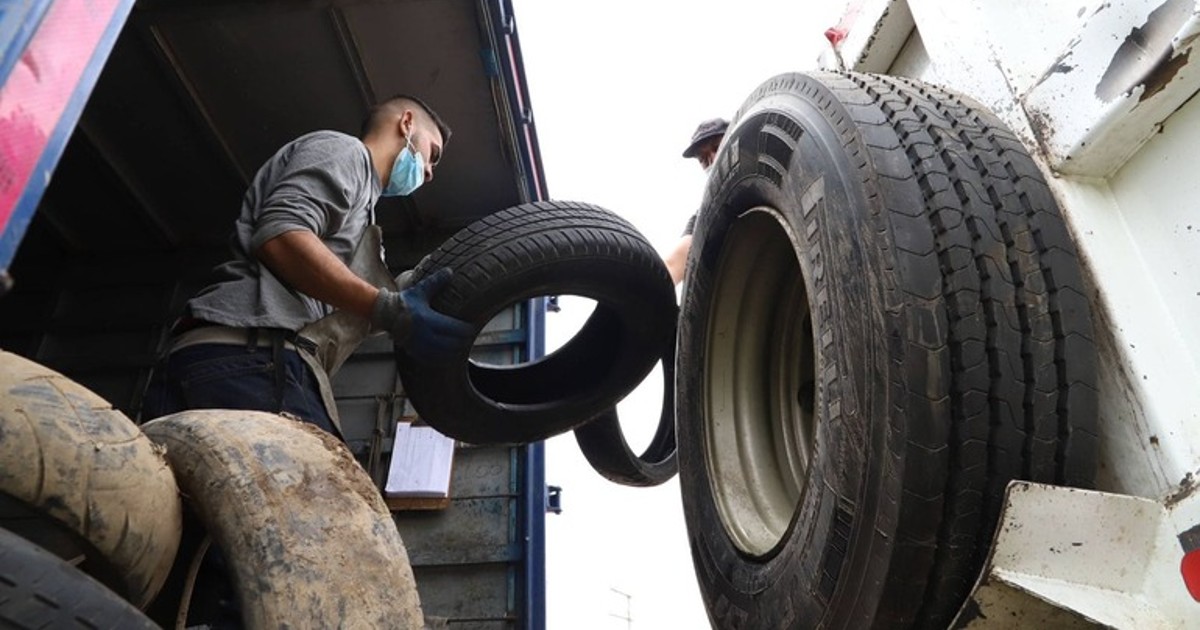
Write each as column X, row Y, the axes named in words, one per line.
column 40, row 590
column 1002, row 250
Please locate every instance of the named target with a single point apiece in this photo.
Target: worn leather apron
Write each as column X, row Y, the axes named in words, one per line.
column 334, row 338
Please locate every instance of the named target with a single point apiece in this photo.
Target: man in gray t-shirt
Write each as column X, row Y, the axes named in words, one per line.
column 301, row 219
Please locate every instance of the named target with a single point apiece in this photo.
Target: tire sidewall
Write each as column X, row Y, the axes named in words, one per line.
column 602, row 441
column 305, row 533
column 830, row 556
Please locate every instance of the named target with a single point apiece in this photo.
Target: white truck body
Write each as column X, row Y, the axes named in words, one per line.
column 1102, row 94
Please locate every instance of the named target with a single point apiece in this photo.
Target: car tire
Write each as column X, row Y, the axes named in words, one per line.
column 532, row 250
column 303, row 531
column 78, row 478
column 40, row 590
column 884, row 323
column 603, row 442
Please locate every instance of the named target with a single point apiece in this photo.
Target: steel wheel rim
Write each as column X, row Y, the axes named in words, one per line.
column 759, row 388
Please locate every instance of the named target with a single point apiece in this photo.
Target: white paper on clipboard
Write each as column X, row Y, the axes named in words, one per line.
column 421, row 462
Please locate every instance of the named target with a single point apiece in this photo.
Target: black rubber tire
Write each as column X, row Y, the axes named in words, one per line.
column 78, row 478
column 40, row 590
column 541, row 249
column 884, row 322
column 603, row 443
column 304, row 531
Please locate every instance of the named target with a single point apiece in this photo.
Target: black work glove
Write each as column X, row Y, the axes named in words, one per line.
column 425, row 334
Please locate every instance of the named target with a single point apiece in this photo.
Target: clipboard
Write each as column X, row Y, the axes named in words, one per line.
column 418, row 476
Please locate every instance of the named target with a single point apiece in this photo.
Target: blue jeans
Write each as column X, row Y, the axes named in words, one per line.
column 223, row 376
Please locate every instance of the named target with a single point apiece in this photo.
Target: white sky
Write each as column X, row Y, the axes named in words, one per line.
column 617, row 88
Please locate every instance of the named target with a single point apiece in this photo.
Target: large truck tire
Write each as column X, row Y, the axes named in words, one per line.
column 603, row 443
column 40, row 590
column 884, row 322
column 303, row 531
column 78, row 478
column 532, row 250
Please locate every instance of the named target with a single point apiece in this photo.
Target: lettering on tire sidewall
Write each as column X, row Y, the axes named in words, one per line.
column 759, row 165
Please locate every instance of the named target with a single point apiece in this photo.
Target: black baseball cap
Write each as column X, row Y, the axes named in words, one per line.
column 708, row 129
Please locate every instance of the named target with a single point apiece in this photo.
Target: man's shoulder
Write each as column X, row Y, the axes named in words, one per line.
column 326, row 139
column 331, row 151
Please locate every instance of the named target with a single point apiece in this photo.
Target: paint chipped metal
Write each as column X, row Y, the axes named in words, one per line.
column 1148, row 55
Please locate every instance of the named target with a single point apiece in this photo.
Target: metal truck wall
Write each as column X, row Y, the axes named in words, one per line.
column 467, row 558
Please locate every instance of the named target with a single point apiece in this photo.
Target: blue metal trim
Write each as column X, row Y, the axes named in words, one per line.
column 534, row 506
column 537, row 327
column 27, row 203
column 17, row 25
column 504, row 27
column 534, row 491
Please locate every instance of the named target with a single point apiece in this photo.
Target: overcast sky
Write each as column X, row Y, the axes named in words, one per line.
column 617, row 88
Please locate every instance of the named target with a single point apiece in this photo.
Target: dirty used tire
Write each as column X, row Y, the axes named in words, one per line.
column 305, row 532
column 884, row 323
column 603, row 443
column 532, row 250
column 78, row 478
column 40, row 590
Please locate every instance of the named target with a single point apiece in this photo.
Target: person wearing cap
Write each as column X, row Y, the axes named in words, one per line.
column 705, row 142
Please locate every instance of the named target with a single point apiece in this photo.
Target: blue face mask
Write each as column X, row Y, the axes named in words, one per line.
column 408, row 172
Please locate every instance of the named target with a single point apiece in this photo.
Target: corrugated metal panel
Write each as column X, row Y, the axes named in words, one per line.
column 469, row 557
column 485, row 586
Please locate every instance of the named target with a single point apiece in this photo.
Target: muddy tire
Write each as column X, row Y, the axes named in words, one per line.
column 304, row 531
column 532, row 250
column 40, row 590
column 884, row 323
column 78, row 478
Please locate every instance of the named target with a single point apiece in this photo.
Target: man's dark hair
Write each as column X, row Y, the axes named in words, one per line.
column 381, row 112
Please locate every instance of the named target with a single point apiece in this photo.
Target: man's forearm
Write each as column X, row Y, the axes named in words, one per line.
column 301, row 260
column 677, row 260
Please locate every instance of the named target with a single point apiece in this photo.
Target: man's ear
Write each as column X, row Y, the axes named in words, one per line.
column 406, row 123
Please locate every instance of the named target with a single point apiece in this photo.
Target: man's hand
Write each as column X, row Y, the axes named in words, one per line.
column 426, row 334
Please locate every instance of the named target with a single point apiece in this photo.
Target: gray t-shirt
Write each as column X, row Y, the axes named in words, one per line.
column 322, row 182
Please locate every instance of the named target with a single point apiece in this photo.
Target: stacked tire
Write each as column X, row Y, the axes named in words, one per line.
column 41, row 590
column 91, row 516
column 884, row 323
column 303, row 534
column 80, row 481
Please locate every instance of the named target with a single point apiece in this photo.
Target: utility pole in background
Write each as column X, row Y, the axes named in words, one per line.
column 628, row 616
